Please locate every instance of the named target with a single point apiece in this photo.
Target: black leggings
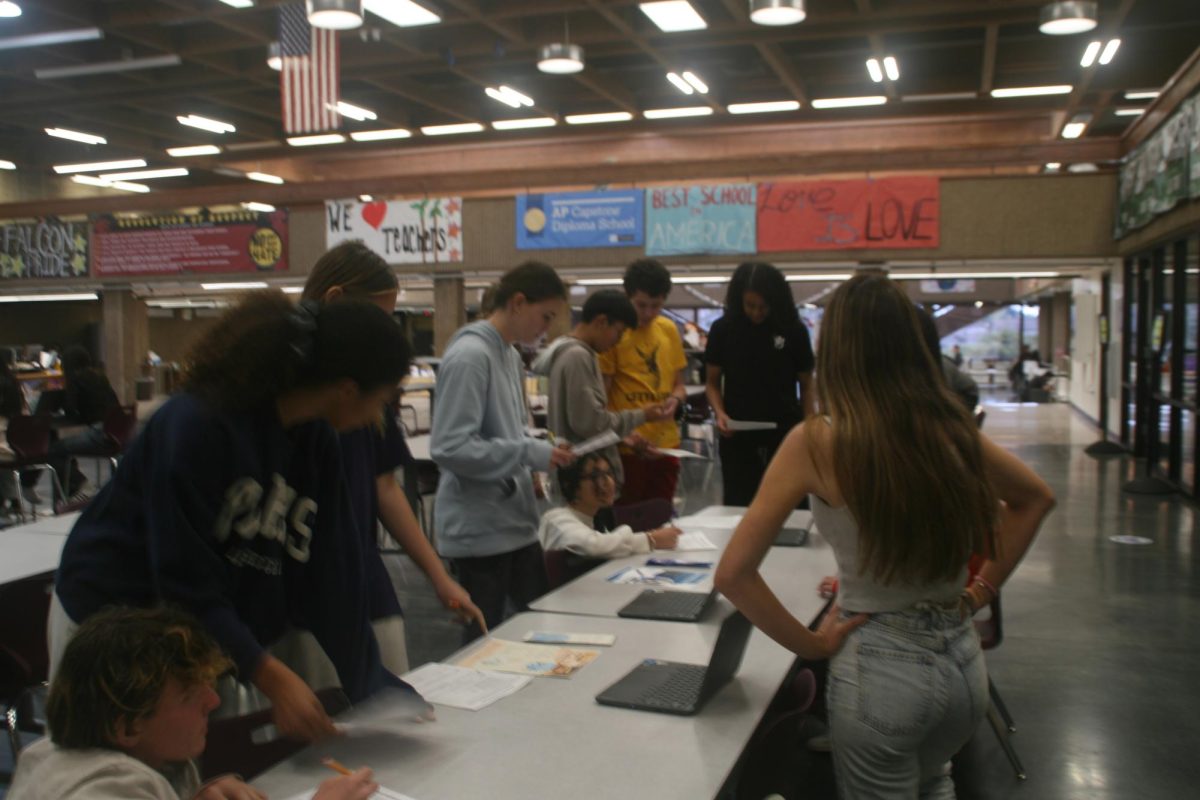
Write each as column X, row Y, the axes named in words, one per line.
column 519, row 576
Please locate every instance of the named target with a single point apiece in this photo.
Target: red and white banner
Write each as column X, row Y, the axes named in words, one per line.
column 309, row 79
column 849, row 215
column 238, row 241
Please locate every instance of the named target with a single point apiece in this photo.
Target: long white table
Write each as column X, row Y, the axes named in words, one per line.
column 551, row 738
column 24, row 554
column 793, row 573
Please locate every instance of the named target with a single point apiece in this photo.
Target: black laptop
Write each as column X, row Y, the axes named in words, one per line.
column 673, row 688
column 668, row 606
column 794, row 535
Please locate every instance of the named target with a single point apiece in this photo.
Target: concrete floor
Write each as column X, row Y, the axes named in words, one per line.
column 1101, row 639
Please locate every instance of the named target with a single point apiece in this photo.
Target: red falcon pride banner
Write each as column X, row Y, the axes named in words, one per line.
column 849, row 215
column 235, row 241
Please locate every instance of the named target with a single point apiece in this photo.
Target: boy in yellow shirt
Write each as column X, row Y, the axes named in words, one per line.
column 647, row 366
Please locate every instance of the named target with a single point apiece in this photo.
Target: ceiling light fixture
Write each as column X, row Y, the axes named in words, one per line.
column 938, row 97
column 450, row 130
column 1142, row 94
column 777, row 12
column 1053, row 166
column 593, row 119
column 372, row 136
column 891, row 67
column 672, row 113
column 275, row 56
column 403, row 13
column 1089, row 54
column 1129, row 112
column 672, row 16
column 335, row 15
column 193, row 150
column 263, row 177
column 1068, row 17
column 817, row 277
column 560, row 58
column 7, row 164
column 51, row 37
column 928, row 276
column 763, row 108
column 48, row 298
column 509, row 96
column 76, row 136
column 235, row 285
column 101, row 183
column 102, row 67
column 9, row 9
column 697, row 84
column 849, row 102
column 679, row 83
column 239, row 3
column 266, row 208
column 145, row 174
column 100, row 166
column 1110, row 51
column 354, row 112
column 1073, row 130
column 874, row 70
column 518, row 124
column 318, row 139
column 206, row 124
column 1031, row 91
column 366, row 198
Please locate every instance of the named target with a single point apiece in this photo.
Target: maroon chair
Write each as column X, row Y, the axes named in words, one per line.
column 29, row 439
column 991, row 633
column 120, row 425
column 646, row 515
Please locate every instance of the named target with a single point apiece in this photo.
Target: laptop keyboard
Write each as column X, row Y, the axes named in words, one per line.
column 685, row 606
column 679, row 691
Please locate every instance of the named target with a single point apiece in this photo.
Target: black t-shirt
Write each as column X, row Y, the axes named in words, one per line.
column 759, row 366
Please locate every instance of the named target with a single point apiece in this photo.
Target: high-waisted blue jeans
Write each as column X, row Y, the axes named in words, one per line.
column 905, row 693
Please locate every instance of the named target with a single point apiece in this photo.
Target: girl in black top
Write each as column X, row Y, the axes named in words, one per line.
column 756, row 354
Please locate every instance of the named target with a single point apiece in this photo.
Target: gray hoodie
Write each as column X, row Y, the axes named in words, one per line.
column 577, row 404
column 485, row 502
column 46, row 771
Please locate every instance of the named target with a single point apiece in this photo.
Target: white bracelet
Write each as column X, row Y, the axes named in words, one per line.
column 650, row 539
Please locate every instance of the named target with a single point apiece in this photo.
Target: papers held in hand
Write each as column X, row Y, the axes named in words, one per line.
column 597, row 442
column 750, row 425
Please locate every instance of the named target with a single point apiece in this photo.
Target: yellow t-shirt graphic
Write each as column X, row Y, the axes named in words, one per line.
column 643, row 366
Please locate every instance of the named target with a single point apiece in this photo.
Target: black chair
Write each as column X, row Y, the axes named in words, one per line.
column 991, row 633
column 646, row 515
column 24, row 655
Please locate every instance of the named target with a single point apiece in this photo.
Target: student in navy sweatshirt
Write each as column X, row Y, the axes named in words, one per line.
column 487, row 520
column 232, row 502
column 371, row 456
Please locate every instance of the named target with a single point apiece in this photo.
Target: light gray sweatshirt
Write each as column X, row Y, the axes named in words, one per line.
column 485, row 502
column 577, row 405
column 46, row 771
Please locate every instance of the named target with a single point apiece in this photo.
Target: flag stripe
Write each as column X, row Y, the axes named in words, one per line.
column 309, row 79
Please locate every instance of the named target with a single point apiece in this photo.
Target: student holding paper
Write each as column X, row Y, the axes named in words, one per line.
column 577, row 402
column 757, row 354
column 589, row 485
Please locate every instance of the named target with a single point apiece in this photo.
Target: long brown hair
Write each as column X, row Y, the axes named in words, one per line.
column 906, row 454
column 354, row 268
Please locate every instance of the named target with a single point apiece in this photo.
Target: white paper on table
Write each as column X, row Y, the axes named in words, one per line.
column 674, row 451
column 460, row 687
column 597, row 442
column 694, row 540
column 727, row 523
column 382, row 793
column 750, row 425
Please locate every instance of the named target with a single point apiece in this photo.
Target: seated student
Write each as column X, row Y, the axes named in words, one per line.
column 128, row 713
column 589, row 485
column 87, row 398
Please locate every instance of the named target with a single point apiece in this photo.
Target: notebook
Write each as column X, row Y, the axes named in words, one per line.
column 673, row 688
column 663, row 604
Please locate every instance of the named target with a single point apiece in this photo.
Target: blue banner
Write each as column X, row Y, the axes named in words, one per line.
column 713, row 218
column 580, row 219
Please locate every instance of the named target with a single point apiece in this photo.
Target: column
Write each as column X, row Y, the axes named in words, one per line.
column 449, row 309
column 124, row 339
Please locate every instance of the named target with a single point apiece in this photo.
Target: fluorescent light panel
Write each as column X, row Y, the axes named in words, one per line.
column 938, row 97
column 604, row 116
column 697, row 84
column 320, row 138
column 253, row 206
column 1089, row 55
column 239, row 3
column 206, row 124
column 450, row 130
column 875, row 70
column 263, row 177
column 818, row 277
column 220, row 287
column 1053, row 166
column 672, row 16
column 1145, row 94
column 508, row 96
column 1073, row 130
column 9, row 9
column 891, row 67
column 679, row 83
column 763, row 108
column 146, row 174
column 50, row 38
column 103, row 67
column 530, row 122
column 354, row 112
column 193, row 150
column 48, row 298
column 7, row 164
column 849, row 102
column 1129, row 112
column 403, row 13
column 599, row 282
column 1110, row 51
column 928, row 276
column 102, row 183
column 700, row 278
column 373, row 136
column 76, row 136
column 1031, row 91
column 672, row 113
column 100, row 166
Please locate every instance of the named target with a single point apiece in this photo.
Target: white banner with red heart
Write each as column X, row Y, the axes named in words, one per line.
column 427, row 231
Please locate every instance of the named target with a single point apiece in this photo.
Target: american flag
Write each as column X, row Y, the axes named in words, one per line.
column 309, row 78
